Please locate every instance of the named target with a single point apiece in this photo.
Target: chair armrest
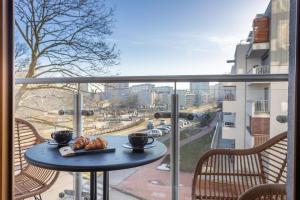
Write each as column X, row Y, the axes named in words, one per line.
column 265, row 191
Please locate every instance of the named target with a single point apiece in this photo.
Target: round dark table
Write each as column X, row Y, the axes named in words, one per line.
column 47, row 156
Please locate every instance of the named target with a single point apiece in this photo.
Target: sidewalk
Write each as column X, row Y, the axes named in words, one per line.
column 65, row 182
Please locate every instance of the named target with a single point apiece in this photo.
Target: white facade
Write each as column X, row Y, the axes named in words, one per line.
column 257, row 104
column 182, row 98
column 162, row 96
column 116, row 91
column 143, row 93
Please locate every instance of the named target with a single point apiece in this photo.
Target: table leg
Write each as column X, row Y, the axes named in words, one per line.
column 93, row 186
column 105, row 185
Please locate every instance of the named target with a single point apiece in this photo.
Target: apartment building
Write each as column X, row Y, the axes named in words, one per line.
column 144, row 93
column 201, row 91
column 116, row 91
column 162, row 96
column 182, row 98
column 190, row 99
column 250, row 109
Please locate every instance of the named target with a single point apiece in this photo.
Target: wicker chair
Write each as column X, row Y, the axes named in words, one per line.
column 265, row 192
column 30, row 181
column 228, row 173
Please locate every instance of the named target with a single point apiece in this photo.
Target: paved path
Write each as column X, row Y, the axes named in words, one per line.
column 65, row 182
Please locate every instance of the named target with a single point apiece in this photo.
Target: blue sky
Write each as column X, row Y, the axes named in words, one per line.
column 173, row 37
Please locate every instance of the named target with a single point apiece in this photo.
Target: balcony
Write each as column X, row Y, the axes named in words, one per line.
column 229, row 92
column 254, row 140
column 258, row 108
column 122, row 115
column 261, row 106
column 260, row 70
column 256, row 50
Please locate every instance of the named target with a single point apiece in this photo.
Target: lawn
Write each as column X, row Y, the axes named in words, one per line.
column 191, row 152
column 187, row 132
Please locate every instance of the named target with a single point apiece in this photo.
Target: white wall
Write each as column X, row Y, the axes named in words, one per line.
column 278, row 106
column 279, row 36
column 238, row 107
column 279, row 63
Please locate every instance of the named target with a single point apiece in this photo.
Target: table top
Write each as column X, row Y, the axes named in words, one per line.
column 47, row 156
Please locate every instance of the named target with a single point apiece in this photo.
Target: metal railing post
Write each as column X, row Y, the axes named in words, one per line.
column 77, row 126
column 175, row 146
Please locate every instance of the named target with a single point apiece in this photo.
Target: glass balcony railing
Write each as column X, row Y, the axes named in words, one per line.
column 262, row 70
column 123, row 105
column 265, row 69
column 261, row 106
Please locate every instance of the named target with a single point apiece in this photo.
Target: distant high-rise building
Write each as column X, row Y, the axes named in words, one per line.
column 182, row 98
column 144, row 93
column 201, row 90
column 190, row 99
column 162, row 95
column 116, row 91
column 199, row 87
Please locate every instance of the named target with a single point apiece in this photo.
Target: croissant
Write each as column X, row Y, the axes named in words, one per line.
column 98, row 143
column 80, row 143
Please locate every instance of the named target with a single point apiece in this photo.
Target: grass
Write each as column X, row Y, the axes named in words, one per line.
column 191, row 152
column 187, row 132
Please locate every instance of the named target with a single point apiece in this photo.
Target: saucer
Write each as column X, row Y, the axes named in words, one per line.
column 129, row 146
column 53, row 142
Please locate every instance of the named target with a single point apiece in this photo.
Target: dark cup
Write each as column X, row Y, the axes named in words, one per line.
column 139, row 140
column 62, row 137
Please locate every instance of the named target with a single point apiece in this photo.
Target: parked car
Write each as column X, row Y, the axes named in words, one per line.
column 162, row 122
column 164, row 129
column 150, row 125
column 168, row 126
column 154, row 132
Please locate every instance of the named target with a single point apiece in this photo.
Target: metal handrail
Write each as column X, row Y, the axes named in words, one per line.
column 173, row 78
column 261, row 106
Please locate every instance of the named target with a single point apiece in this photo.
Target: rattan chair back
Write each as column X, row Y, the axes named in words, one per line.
column 30, row 181
column 228, row 173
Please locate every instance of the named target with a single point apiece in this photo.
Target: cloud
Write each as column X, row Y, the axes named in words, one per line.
column 179, row 41
column 224, row 42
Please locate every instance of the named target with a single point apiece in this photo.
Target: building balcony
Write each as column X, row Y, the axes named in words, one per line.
column 261, row 106
column 255, row 139
column 260, row 70
column 258, row 108
column 256, row 50
column 229, row 97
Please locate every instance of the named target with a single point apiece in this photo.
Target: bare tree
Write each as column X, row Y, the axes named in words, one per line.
column 63, row 37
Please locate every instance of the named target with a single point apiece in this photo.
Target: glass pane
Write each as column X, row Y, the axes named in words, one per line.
column 120, row 109
column 42, row 106
column 256, row 114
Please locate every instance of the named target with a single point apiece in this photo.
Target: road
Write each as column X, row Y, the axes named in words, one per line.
column 201, row 133
column 143, row 125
